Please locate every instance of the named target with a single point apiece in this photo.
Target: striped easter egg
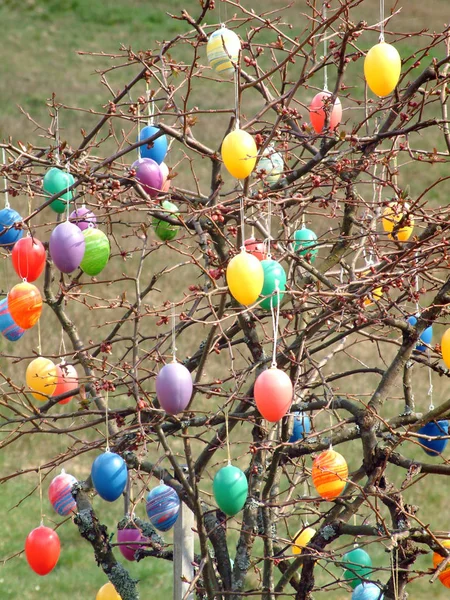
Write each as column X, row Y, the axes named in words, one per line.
column 223, row 50
column 97, row 251
column 25, row 304
column 163, row 506
column 444, row 577
column 60, row 494
column 10, row 330
column 329, row 474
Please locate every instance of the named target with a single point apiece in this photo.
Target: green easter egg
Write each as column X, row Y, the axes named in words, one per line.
column 230, row 488
column 270, row 166
column 97, row 251
column 55, row 181
column 305, row 243
column 166, row 231
column 274, row 275
column 358, row 565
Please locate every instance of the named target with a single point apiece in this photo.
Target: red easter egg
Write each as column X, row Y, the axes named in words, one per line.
column 165, row 173
column 67, row 379
column 256, row 248
column 273, row 394
column 28, row 258
column 25, row 304
column 42, row 549
column 317, row 112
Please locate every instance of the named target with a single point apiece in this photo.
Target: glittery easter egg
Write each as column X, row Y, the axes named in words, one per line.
column 9, row 329
column 163, row 506
column 60, row 494
column 96, row 254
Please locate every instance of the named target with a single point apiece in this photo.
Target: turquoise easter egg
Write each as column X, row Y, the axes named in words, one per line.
column 305, row 243
column 97, row 251
column 358, row 566
column 230, row 488
column 274, row 276
column 55, row 181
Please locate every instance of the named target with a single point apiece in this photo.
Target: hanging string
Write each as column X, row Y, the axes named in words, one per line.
column 62, row 346
column 275, row 321
column 325, row 49
column 138, row 116
column 67, row 191
column 381, row 21
column 269, row 227
column 150, row 106
column 40, row 496
column 228, row 437
column 236, row 99
column 394, row 568
column 39, row 348
column 57, row 140
column 5, row 181
column 430, row 387
column 174, row 339
column 242, row 218
column 417, row 286
column 106, row 420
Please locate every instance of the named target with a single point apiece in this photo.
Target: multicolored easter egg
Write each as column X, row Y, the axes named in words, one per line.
column 60, row 494
column 108, row 592
column 273, row 393
column 305, row 243
column 28, row 258
column 301, row 427
column 166, row 231
column 55, row 181
column 155, row 150
column 109, row 475
column 9, row 329
column 83, row 218
column 149, row 176
column 25, row 304
column 67, row 379
column 274, row 279
column 302, row 539
column 320, row 108
column 270, row 166
column 9, row 232
column 444, row 577
column 329, row 474
column 223, row 50
column 42, row 549
column 239, row 153
column 41, row 378
column 67, row 246
column 358, row 566
column 230, row 488
column 163, row 506
column 174, row 387
column 367, row 591
column 96, row 254
column 425, row 337
column 436, row 441
column 245, row 278
column 130, row 540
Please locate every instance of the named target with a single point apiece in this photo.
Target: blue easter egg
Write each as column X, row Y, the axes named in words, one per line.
column 8, row 327
column 8, row 234
column 434, row 430
column 367, row 591
column 163, row 506
column 158, row 148
column 425, row 337
column 302, row 426
column 109, row 475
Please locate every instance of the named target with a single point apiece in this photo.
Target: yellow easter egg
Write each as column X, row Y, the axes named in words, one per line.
column 223, row 50
column 41, row 377
column 445, row 347
column 239, row 153
column 392, row 215
column 245, row 278
column 374, row 296
column 302, row 539
column 382, row 68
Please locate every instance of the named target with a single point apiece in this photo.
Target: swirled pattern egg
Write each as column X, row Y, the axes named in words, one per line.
column 163, row 506
column 9, row 329
column 329, row 474
column 60, row 494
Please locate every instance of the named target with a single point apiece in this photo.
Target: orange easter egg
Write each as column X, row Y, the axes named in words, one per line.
column 329, row 474
column 444, row 577
column 25, row 304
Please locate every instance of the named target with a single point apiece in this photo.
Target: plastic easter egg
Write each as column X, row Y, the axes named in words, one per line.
column 358, row 565
column 222, row 51
column 60, row 494
column 166, row 231
column 320, row 108
column 55, row 181
column 374, row 296
column 130, row 540
column 274, row 278
column 83, row 218
column 66, row 380
column 432, row 444
column 174, row 387
column 42, row 548
column 270, row 166
column 25, row 304
column 382, row 67
column 165, row 175
column 163, row 506
column 108, row 592
column 109, row 475
column 425, row 337
column 9, row 329
column 273, row 394
column 41, row 378
column 302, row 539
column 9, row 235
column 149, row 176
column 367, row 591
column 305, row 243
column 157, row 149
column 329, row 474
column 392, row 215
column 245, row 278
column 230, row 489
column 239, row 153
column 97, row 251
column 444, row 577
column 256, row 248
column 445, row 347
column 67, row 246
column 28, row 258
column 301, row 427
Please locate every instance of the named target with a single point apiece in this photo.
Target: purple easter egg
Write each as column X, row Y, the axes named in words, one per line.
column 149, row 175
column 174, row 387
column 130, row 540
column 67, row 246
column 83, row 217
column 60, row 494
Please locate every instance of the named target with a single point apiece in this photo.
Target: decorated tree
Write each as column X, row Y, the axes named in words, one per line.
column 234, row 284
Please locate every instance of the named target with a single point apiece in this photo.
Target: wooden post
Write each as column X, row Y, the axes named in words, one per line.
column 183, row 554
